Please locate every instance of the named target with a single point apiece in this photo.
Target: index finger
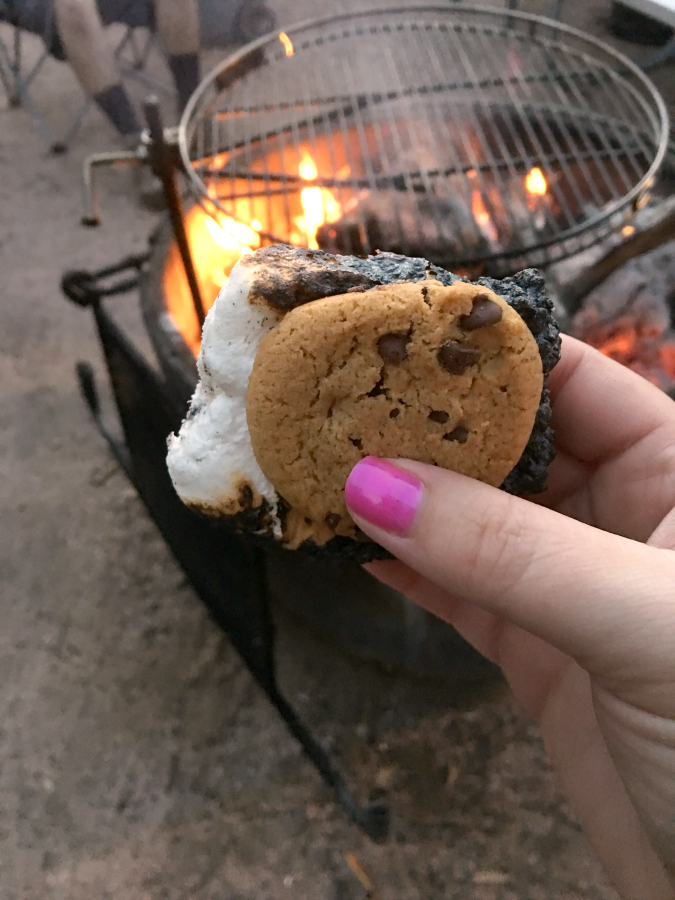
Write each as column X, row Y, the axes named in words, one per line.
column 601, row 408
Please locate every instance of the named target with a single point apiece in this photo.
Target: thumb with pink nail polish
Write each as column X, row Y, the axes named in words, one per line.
column 571, row 596
column 383, row 495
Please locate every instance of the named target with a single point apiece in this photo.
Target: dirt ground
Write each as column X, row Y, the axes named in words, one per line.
column 137, row 757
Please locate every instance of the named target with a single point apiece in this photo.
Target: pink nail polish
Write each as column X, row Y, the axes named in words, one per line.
column 383, row 494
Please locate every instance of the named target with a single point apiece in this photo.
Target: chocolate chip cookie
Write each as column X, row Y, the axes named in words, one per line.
column 447, row 375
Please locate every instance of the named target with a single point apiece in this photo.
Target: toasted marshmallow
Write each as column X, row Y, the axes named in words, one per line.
column 211, row 460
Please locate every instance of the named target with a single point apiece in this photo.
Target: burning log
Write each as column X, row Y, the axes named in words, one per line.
column 442, row 228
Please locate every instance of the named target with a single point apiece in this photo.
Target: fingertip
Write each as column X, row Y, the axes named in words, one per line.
column 384, row 495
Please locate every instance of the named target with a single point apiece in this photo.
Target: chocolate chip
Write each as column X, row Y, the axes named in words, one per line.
column 246, row 497
column 483, row 313
column 332, row 520
column 439, row 416
column 395, row 413
column 460, row 434
column 456, row 358
column 393, row 348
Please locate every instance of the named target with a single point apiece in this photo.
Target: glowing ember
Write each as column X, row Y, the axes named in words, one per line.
column 536, row 183
column 319, row 206
column 628, row 230
column 288, row 44
column 640, row 346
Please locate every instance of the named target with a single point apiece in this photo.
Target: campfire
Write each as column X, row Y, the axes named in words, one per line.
column 483, row 141
column 218, row 241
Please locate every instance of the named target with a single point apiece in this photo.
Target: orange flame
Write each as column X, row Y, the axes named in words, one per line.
column 232, row 235
column 216, row 247
column 535, row 182
column 288, row 44
column 481, row 215
column 319, row 205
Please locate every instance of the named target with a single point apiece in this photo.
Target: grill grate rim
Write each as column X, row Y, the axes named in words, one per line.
column 538, row 95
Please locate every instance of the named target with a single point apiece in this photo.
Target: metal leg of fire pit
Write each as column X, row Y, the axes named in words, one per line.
column 227, row 573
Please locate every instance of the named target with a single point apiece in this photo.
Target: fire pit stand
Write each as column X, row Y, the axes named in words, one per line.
column 227, row 573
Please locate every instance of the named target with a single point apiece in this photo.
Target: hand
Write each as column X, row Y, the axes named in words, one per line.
column 572, row 595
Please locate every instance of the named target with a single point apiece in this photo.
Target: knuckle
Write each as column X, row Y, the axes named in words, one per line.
column 501, row 545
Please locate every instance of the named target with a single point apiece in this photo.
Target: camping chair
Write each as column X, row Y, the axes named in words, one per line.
column 132, row 53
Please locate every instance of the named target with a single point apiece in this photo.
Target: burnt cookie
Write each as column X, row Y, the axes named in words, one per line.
column 447, row 375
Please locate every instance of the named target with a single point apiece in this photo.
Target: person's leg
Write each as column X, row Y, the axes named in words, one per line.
column 91, row 56
column 177, row 23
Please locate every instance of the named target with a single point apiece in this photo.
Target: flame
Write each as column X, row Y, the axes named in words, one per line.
column 216, row 247
column 536, row 183
column 308, row 170
column 288, row 44
column 233, row 235
column 318, row 204
column 481, row 215
column 628, row 230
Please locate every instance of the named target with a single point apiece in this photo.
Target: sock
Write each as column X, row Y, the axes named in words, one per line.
column 185, row 69
column 115, row 103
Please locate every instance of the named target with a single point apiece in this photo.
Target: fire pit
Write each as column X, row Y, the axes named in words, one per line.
column 489, row 139
column 484, row 140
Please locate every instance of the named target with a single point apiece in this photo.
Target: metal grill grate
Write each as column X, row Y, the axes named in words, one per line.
column 476, row 137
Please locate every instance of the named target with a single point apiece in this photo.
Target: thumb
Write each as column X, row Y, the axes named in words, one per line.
column 600, row 598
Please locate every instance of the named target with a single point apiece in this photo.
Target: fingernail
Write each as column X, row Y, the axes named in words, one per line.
column 384, row 495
